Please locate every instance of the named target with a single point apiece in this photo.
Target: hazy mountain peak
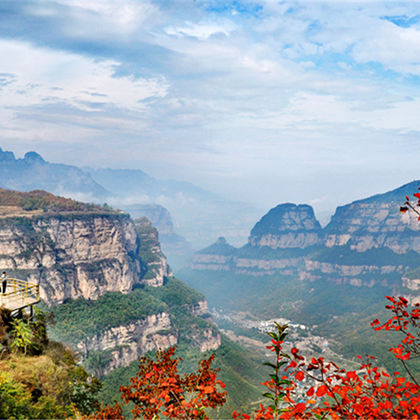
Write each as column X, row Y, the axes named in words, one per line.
column 287, row 217
column 34, row 173
column 6, row 155
column 34, row 157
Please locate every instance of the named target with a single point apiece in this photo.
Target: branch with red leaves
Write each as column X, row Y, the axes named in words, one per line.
column 408, row 205
column 158, row 390
column 335, row 393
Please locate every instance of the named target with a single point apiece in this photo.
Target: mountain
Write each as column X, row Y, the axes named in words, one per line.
column 98, row 271
column 277, row 243
column 287, row 226
column 113, row 295
column 33, row 172
column 367, row 242
column 130, row 189
column 331, row 279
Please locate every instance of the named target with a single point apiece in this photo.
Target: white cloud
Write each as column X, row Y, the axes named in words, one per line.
column 42, row 76
column 201, row 30
column 295, row 90
column 122, row 16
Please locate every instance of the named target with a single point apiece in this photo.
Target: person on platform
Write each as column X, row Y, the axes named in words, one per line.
column 4, row 282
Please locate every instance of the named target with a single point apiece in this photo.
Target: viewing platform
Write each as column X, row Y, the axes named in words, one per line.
column 19, row 294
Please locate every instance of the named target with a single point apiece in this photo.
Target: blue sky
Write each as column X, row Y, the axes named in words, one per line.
column 263, row 101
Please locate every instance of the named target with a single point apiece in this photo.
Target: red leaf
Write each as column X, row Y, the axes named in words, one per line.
column 300, row 376
column 321, row 391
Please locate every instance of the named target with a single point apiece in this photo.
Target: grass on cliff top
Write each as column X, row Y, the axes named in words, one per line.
column 175, row 292
column 43, row 200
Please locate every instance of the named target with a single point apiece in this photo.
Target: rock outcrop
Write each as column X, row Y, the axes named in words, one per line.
column 74, row 255
column 89, row 259
column 74, row 250
column 155, row 267
column 126, row 343
column 287, row 226
column 278, row 243
column 368, row 242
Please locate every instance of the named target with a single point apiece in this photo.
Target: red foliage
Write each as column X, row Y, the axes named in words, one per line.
column 369, row 393
column 108, row 413
column 159, row 390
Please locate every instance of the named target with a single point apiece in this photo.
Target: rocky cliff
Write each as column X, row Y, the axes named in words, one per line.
column 287, row 226
column 105, row 278
column 155, row 267
column 277, row 244
column 76, row 255
column 368, row 242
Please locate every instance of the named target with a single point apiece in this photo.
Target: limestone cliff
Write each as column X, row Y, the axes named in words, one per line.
column 277, row 244
column 75, row 252
column 155, row 267
column 105, row 278
column 125, row 344
column 368, row 242
column 287, row 226
column 74, row 255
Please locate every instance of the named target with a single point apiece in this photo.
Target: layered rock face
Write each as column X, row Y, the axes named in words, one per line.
column 368, row 242
column 93, row 260
column 76, row 255
column 366, row 225
column 156, row 267
column 277, row 243
column 126, row 343
column 287, row 226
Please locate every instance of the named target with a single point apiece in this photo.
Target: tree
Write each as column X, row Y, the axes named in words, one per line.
column 22, row 335
column 335, row 393
column 159, row 390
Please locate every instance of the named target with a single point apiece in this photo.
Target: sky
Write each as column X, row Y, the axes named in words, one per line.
column 261, row 101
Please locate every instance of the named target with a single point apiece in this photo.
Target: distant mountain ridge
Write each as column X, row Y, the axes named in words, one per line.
column 34, row 173
column 190, row 206
column 367, row 242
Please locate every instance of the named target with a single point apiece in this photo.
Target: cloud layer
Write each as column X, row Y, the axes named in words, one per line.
column 266, row 101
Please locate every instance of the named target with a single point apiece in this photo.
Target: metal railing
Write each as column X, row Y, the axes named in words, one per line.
column 19, row 293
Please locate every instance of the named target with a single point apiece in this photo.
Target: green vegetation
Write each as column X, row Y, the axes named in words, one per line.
column 374, row 256
column 340, row 312
column 77, row 319
column 81, row 318
column 38, row 378
column 239, row 370
column 45, row 201
column 149, row 240
column 175, row 293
